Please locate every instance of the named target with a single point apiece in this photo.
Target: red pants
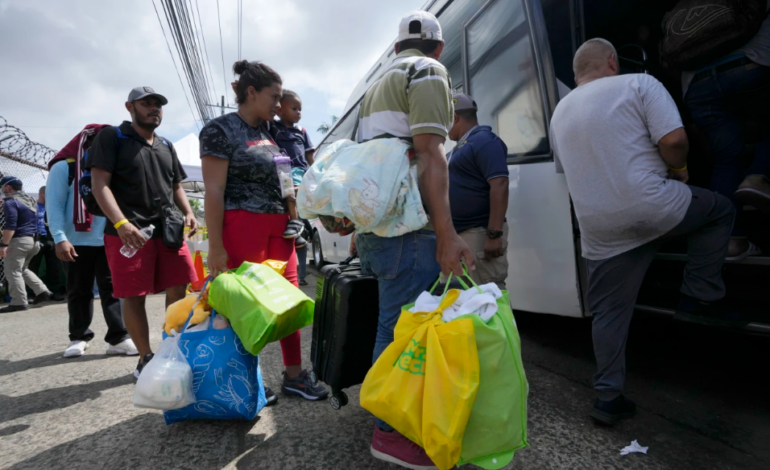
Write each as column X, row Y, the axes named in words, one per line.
column 258, row 237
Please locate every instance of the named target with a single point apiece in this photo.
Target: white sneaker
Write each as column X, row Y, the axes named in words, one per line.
column 126, row 348
column 76, row 349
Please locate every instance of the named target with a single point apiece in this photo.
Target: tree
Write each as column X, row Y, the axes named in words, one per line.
column 197, row 207
column 324, row 127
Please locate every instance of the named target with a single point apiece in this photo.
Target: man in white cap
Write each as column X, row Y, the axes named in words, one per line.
column 478, row 191
column 412, row 101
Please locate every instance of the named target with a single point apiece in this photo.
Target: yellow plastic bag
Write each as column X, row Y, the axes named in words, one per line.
column 278, row 266
column 424, row 384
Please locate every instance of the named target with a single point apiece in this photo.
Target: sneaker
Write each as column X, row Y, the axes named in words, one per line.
column 303, row 283
column 42, row 297
column 271, row 397
column 393, row 447
column 304, row 385
column 142, row 362
column 755, row 192
column 124, row 348
column 59, row 297
column 299, row 242
column 610, row 412
column 708, row 313
column 294, row 229
column 76, row 349
column 14, row 308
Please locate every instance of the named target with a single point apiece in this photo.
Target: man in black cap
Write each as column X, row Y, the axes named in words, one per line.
column 478, row 192
column 19, row 245
column 136, row 179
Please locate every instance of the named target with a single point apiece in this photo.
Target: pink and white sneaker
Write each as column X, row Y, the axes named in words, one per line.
column 393, row 447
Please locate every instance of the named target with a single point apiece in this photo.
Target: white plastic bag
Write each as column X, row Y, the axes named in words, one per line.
column 166, row 382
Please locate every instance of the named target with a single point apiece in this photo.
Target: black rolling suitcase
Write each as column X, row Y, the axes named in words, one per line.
column 344, row 327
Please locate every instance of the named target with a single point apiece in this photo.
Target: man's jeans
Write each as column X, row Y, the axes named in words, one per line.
column 720, row 105
column 404, row 266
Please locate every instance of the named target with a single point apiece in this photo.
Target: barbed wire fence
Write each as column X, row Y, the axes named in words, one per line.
column 24, row 159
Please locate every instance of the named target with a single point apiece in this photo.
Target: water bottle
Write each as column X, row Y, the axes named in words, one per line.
column 129, row 252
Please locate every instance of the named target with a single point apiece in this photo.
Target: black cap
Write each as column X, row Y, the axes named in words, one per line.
column 143, row 92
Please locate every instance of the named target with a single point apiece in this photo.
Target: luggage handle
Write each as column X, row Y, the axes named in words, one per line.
column 348, row 260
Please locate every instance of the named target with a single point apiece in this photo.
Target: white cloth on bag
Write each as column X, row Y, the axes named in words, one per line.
column 373, row 184
column 471, row 301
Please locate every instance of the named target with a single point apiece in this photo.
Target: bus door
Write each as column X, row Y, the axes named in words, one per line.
column 509, row 72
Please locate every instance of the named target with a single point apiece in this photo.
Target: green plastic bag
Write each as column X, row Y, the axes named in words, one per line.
column 262, row 306
column 497, row 426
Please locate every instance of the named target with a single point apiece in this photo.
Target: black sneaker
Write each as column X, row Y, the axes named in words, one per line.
column 142, row 362
column 299, row 242
column 304, row 385
column 610, row 412
column 42, row 297
column 303, row 283
column 708, row 313
column 272, row 398
column 13, row 308
column 59, row 297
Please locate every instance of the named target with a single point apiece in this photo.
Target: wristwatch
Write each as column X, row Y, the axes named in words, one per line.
column 493, row 234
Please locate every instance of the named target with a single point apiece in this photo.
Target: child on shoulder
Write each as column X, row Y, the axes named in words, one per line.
column 295, row 141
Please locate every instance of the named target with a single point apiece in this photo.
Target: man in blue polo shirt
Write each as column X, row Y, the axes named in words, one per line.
column 478, row 192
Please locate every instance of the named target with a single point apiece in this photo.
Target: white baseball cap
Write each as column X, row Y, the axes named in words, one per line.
column 429, row 27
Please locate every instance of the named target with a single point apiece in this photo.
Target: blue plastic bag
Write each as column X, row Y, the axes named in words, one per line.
column 227, row 380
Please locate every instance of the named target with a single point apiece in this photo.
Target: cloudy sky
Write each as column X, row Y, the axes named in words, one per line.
column 68, row 63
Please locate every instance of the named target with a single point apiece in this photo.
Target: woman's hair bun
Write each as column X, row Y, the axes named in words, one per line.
column 240, row 66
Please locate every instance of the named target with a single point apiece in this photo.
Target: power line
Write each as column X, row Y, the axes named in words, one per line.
column 222, row 50
column 205, row 48
column 174, row 61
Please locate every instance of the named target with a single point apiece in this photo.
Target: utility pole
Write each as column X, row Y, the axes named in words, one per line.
column 221, row 106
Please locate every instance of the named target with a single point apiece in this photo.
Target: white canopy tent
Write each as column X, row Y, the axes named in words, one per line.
column 188, row 152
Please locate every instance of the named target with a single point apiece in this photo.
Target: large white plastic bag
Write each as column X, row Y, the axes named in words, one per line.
column 166, row 382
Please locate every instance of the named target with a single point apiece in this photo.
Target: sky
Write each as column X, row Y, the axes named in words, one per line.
column 64, row 64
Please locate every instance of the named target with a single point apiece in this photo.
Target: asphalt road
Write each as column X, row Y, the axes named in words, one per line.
column 702, row 394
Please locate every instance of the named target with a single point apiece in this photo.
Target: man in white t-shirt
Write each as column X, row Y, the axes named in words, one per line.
column 620, row 142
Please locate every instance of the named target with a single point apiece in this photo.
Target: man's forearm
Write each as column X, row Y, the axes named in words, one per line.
column 434, row 187
column 675, row 157
column 7, row 236
column 180, row 198
column 108, row 204
column 498, row 202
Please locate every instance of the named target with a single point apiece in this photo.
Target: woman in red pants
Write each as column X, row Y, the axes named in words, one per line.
column 245, row 213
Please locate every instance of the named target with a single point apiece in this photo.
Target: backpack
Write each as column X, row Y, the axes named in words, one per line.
column 697, row 32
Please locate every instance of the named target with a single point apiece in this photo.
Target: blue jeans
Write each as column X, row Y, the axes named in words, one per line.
column 720, row 105
column 404, row 266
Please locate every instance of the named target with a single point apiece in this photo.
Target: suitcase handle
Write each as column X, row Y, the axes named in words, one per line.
column 348, row 260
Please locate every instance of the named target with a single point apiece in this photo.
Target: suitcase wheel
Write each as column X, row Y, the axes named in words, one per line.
column 338, row 400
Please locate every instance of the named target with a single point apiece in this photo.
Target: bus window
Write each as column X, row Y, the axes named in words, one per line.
column 504, row 77
column 452, row 19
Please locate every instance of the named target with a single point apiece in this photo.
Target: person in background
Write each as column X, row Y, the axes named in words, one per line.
column 129, row 164
column 47, row 252
column 295, row 141
column 412, row 101
column 721, row 97
column 478, row 192
column 19, row 245
column 246, row 214
column 80, row 246
column 619, row 141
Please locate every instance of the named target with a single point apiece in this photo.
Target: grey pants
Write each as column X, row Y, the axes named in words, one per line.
column 21, row 250
column 614, row 283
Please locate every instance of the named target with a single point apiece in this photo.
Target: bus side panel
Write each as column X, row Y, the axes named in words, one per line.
column 542, row 271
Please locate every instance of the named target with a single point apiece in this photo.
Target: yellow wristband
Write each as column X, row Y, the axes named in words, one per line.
column 120, row 222
column 677, row 169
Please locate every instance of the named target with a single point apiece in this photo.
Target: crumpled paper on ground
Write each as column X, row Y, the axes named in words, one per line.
column 634, row 447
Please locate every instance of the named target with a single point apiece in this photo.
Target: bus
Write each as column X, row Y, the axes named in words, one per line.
column 515, row 58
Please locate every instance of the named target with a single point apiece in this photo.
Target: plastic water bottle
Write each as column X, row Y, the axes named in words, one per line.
column 129, row 252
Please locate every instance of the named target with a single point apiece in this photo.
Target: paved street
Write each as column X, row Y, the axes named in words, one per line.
column 703, row 398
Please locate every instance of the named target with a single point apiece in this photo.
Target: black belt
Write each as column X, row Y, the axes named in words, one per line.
column 722, row 68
